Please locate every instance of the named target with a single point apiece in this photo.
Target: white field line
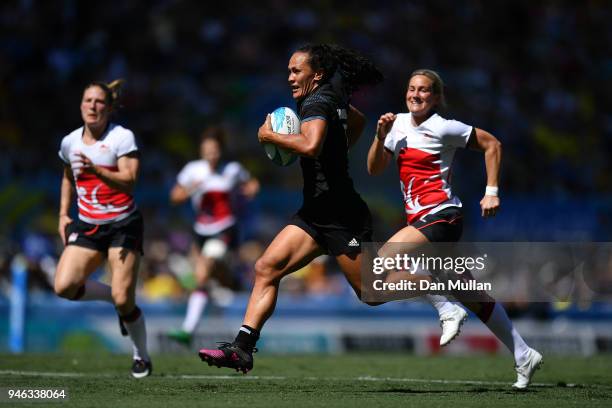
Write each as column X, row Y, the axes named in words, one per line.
column 272, row 378
column 43, row 374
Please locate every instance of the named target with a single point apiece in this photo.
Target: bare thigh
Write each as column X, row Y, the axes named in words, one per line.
column 406, row 239
column 74, row 267
column 291, row 249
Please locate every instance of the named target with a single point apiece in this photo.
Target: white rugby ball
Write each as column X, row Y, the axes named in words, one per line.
column 214, row 248
column 286, row 122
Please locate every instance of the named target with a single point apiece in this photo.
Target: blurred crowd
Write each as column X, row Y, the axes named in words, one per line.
column 536, row 74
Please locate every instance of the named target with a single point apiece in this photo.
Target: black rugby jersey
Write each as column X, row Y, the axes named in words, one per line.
column 328, row 188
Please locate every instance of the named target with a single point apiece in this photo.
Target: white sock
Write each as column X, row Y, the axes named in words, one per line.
column 195, row 308
column 502, row 327
column 441, row 303
column 95, row 290
column 138, row 334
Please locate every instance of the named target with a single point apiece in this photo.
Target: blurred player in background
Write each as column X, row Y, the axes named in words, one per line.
column 423, row 144
column 101, row 158
column 333, row 218
column 213, row 185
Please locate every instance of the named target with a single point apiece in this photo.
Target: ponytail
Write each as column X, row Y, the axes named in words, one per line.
column 355, row 69
column 115, row 90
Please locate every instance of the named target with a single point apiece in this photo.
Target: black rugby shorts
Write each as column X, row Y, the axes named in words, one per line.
column 228, row 235
column 126, row 233
column 336, row 239
column 444, row 226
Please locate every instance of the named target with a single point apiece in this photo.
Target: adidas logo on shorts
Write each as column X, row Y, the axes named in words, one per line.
column 73, row 237
column 353, row 243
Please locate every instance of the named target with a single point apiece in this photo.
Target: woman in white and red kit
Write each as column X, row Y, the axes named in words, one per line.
column 422, row 144
column 212, row 184
column 101, row 163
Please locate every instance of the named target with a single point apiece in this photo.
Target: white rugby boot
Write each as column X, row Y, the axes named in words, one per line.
column 451, row 323
column 525, row 371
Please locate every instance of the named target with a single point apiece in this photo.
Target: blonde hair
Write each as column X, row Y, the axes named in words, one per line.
column 112, row 91
column 437, row 85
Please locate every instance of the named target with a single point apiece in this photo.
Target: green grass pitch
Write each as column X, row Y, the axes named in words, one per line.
column 354, row 380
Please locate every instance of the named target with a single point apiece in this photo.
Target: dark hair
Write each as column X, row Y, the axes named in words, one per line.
column 111, row 91
column 216, row 133
column 355, row 69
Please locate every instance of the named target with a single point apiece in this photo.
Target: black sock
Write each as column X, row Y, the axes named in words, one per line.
column 247, row 338
column 132, row 316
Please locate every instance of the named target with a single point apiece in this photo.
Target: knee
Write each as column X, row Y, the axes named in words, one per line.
column 66, row 290
column 360, row 296
column 266, row 271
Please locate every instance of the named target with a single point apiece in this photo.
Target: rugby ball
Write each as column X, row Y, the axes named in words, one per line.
column 214, row 248
column 286, row 122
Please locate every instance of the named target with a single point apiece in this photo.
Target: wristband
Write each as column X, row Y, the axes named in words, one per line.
column 492, row 191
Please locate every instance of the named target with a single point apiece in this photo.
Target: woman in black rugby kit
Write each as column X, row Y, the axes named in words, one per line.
column 333, row 218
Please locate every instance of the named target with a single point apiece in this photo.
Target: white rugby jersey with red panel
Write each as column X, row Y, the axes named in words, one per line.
column 212, row 199
column 97, row 202
column 424, row 156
